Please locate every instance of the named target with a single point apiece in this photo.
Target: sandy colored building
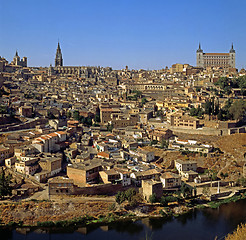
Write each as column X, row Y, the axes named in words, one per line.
column 170, row 180
column 150, row 187
column 215, row 59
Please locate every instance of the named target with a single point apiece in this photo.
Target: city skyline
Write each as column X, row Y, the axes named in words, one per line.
column 133, row 33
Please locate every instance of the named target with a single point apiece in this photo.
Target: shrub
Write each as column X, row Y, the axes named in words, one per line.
column 130, row 193
column 120, row 197
column 133, row 202
column 152, row 198
column 111, row 207
column 46, row 224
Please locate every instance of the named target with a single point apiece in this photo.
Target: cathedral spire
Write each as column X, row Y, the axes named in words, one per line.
column 58, row 59
column 16, row 54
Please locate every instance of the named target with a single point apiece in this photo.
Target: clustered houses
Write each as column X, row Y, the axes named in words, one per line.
column 187, row 169
column 94, row 122
column 170, row 180
column 160, row 134
column 190, row 145
column 181, row 120
column 50, row 142
column 35, row 162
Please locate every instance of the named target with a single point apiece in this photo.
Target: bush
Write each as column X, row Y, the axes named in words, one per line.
column 152, row 198
column 120, row 197
column 46, row 224
column 133, row 202
column 112, row 207
column 130, row 193
column 165, row 200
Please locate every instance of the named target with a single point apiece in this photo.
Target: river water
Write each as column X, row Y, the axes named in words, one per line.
column 198, row 225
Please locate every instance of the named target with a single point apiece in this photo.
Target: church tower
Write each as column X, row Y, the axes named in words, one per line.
column 199, row 57
column 58, row 60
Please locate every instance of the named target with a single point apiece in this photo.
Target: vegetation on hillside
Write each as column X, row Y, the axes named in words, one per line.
column 238, row 234
column 5, row 188
column 231, row 111
column 226, row 84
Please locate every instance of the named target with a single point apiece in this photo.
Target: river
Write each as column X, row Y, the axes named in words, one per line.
column 198, row 225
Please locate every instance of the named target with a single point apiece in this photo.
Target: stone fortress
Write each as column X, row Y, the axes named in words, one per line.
column 215, row 59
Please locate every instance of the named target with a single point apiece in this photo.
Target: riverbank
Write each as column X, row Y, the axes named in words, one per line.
column 73, row 213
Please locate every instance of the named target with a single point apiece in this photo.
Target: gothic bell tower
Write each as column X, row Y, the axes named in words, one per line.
column 58, row 60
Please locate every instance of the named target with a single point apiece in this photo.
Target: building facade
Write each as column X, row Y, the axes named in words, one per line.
column 225, row 60
column 19, row 62
column 70, row 71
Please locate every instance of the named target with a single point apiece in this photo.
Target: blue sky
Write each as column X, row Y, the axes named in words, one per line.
column 139, row 33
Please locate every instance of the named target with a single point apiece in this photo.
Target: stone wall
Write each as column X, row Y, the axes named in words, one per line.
column 22, row 126
column 99, row 189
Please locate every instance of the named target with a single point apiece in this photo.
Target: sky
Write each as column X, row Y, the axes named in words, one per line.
column 142, row 34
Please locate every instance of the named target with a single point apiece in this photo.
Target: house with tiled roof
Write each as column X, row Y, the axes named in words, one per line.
column 170, row 180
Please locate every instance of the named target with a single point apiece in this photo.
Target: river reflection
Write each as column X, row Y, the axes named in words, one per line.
column 198, row 224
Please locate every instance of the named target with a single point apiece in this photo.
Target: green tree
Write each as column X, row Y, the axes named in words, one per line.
column 220, row 115
column 129, row 193
column 193, row 111
column 97, row 115
column 76, row 115
column 120, row 197
column 144, row 100
column 5, row 188
column 212, row 174
column 242, row 82
column 208, row 107
column 238, row 109
column 152, row 198
column 185, row 190
column 165, row 200
column 97, row 118
column 241, row 181
column 164, row 143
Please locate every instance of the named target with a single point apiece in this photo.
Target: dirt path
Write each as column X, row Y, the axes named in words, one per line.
column 82, row 199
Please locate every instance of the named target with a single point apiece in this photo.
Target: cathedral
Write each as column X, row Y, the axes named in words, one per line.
column 69, row 71
column 225, row 60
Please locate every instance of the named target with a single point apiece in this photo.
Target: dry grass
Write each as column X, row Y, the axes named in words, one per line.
column 238, row 234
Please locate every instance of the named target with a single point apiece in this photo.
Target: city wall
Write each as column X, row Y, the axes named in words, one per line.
column 100, row 189
column 22, row 126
